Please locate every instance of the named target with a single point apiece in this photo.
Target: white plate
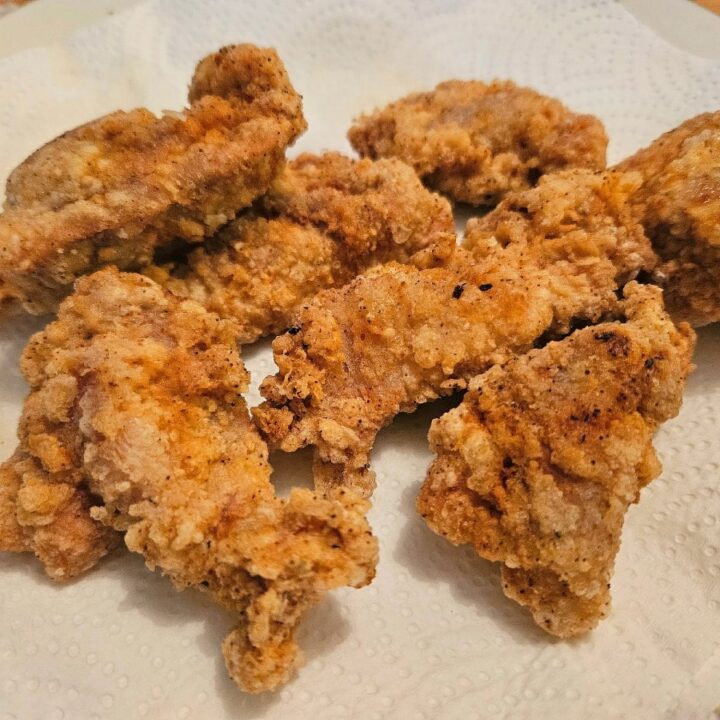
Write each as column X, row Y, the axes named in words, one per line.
column 433, row 636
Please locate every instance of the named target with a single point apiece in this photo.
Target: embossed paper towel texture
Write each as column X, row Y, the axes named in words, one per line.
column 433, row 637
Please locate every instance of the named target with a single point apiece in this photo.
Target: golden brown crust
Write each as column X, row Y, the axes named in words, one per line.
column 117, row 188
column 390, row 340
column 476, row 142
column 679, row 205
column 398, row 336
column 325, row 219
column 139, row 394
column 44, row 497
column 12, row 537
column 47, row 514
column 539, row 463
column 577, row 228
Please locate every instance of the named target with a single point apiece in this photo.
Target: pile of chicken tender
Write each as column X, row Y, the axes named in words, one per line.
column 159, row 246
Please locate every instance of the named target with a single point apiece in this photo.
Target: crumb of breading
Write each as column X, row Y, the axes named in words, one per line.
column 546, row 260
column 537, row 466
column 139, row 394
column 476, row 142
column 325, row 219
column 679, row 205
column 114, row 190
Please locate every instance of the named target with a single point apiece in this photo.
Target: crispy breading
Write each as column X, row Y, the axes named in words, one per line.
column 679, row 205
column 116, row 189
column 48, row 514
column 577, row 229
column 383, row 344
column 539, row 463
column 325, row 219
column 476, row 142
column 143, row 392
column 12, row 536
column 546, row 259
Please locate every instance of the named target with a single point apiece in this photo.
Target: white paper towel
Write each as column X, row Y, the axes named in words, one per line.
column 433, row 637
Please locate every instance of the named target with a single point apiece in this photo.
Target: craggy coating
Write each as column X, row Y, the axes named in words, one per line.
column 679, row 205
column 142, row 395
column 325, row 219
column 45, row 507
column 577, row 231
column 114, row 190
column 537, row 466
column 476, row 142
column 546, row 259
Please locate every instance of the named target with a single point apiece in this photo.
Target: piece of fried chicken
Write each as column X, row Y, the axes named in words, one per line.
column 118, row 188
column 544, row 261
column 539, row 463
column 141, row 393
column 325, row 219
column 679, row 205
column 476, row 142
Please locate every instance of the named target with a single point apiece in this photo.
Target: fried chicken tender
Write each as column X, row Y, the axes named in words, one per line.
column 545, row 260
column 142, row 393
column 679, row 205
column 538, row 465
column 118, row 188
column 476, row 142
column 325, row 219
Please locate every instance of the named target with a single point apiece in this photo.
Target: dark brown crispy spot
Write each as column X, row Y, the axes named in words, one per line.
column 617, row 345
